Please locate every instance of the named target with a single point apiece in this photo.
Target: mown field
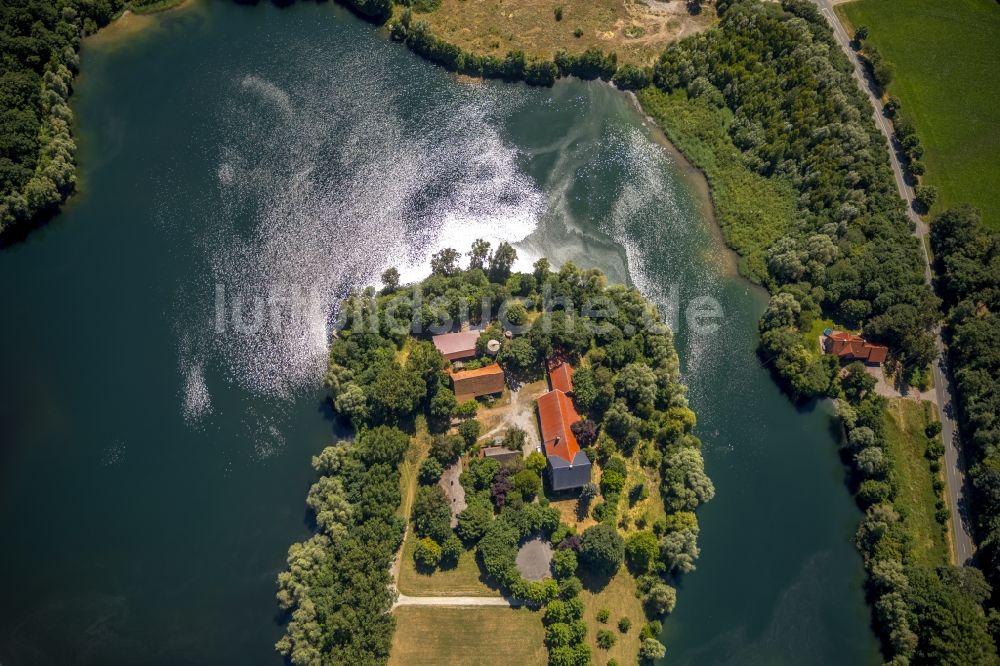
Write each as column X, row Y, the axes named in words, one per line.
column 946, row 56
column 906, row 443
column 467, row 636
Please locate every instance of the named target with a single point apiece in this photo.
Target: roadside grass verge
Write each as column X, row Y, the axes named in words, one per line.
column 430, row 635
column 906, row 442
column 946, row 76
column 752, row 210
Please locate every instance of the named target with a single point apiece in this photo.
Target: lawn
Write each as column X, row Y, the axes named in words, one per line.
column 467, row 636
column 463, row 580
column 946, row 56
column 618, row 596
column 636, row 31
column 906, row 443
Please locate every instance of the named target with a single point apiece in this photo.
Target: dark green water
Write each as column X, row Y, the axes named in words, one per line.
column 153, row 469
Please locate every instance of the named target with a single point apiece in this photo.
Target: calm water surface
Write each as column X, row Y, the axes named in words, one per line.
column 154, row 461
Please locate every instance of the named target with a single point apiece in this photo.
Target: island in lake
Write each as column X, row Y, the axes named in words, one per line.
column 518, row 434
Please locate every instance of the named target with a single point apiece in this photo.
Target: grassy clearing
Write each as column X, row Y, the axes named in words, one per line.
column 905, row 423
column 947, row 79
column 753, row 211
column 467, row 636
column 408, row 471
column 636, row 31
column 618, row 596
column 466, row 579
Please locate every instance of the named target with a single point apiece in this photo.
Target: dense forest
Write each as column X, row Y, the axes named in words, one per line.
column 967, row 262
column 771, row 89
column 39, row 41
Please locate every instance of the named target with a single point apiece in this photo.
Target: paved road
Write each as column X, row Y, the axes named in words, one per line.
column 958, row 488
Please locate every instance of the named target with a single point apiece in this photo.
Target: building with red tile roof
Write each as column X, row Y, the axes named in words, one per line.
column 853, row 347
column 560, row 375
column 456, row 346
column 569, row 466
column 469, row 384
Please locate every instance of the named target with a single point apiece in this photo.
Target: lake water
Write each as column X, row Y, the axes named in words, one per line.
column 154, row 460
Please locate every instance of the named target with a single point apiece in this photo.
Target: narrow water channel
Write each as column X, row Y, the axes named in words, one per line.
column 154, row 459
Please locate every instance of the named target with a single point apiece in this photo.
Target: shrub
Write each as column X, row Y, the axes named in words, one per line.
column 467, row 409
column 578, row 32
column 603, row 615
column 469, row 430
column 528, row 483
column 624, row 625
column 641, row 551
column 605, row 639
column 612, row 482
column 559, row 13
column 427, row 554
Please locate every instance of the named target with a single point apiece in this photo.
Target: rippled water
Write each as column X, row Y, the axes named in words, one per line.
column 242, row 169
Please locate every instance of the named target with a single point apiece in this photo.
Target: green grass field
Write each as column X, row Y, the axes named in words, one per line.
column 946, row 56
column 905, row 422
column 465, row 579
column 428, row 635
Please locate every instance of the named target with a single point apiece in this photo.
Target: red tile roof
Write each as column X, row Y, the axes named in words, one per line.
column 852, row 346
column 469, row 384
column 455, row 346
column 560, row 375
column 557, row 414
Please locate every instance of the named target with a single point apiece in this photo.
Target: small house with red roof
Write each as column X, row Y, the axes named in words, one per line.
column 560, row 375
column 852, row 347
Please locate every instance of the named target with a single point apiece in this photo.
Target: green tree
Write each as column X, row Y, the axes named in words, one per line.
column 430, row 471
column 641, row 551
column 432, row 513
column 651, row 649
column 445, row 262
column 528, row 483
column 474, row 520
column 427, row 554
column 479, row 253
column 390, row 279
column 605, row 639
column 469, row 430
column 602, row 549
column 501, row 262
column 660, row 599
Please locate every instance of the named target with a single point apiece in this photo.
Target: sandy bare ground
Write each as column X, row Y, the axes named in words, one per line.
column 404, row 600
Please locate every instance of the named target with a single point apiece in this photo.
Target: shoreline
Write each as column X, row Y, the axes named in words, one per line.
column 131, row 22
column 727, row 258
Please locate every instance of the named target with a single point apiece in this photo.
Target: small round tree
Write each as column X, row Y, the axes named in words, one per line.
column 427, row 554
column 602, row 549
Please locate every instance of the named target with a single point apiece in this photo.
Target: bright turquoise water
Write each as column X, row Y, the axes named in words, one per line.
column 153, row 470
